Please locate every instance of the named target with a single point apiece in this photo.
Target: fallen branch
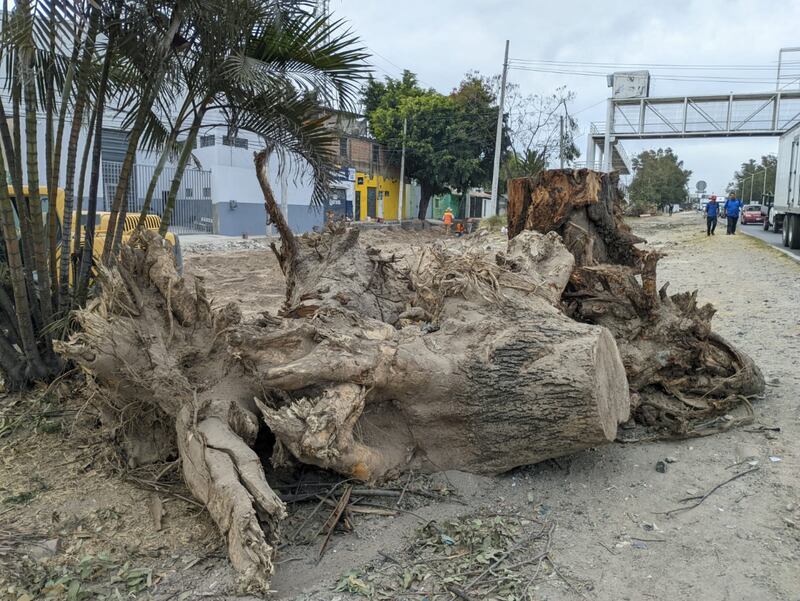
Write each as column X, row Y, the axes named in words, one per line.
column 701, row 498
column 334, row 519
column 460, row 592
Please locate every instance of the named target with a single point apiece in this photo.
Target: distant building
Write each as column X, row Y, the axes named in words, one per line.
column 478, row 205
column 376, row 173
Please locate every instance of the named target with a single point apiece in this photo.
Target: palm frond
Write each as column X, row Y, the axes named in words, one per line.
column 313, row 53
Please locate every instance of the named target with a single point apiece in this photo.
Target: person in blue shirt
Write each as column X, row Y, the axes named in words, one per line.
column 732, row 207
column 712, row 209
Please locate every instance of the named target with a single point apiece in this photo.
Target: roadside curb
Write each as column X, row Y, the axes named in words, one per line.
column 780, row 249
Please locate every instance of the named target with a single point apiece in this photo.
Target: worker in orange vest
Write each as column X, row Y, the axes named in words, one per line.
column 447, row 218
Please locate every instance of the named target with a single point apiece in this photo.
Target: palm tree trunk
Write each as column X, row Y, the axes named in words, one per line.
column 50, row 162
column 162, row 161
column 10, row 312
column 126, row 170
column 22, row 307
column 87, row 149
column 34, row 198
column 88, row 246
column 159, row 169
column 23, row 210
column 81, row 96
column 148, row 98
column 183, row 160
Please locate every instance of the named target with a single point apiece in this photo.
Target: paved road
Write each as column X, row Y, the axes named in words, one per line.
column 770, row 238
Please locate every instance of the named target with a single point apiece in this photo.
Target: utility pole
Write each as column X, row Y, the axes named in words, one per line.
column 752, row 181
column 498, row 142
column 561, row 140
column 402, row 173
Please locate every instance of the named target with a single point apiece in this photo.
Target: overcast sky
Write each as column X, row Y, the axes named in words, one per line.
column 441, row 40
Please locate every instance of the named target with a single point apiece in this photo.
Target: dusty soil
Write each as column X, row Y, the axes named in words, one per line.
column 603, row 509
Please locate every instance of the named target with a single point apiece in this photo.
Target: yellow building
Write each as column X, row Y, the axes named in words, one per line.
column 377, row 197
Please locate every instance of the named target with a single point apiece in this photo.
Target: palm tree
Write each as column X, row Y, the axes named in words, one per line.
column 265, row 66
column 49, row 52
column 268, row 68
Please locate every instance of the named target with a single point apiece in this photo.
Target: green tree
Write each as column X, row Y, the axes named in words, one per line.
column 450, row 139
column 754, row 177
column 659, row 180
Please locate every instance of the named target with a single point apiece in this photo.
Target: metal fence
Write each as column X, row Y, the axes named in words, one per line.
column 192, row 212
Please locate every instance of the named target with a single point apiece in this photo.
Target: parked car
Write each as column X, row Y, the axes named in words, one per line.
column 752, row 214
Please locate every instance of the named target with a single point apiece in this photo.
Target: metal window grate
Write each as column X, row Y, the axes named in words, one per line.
column 235, row 141
column 190, row 215
column 208, row 140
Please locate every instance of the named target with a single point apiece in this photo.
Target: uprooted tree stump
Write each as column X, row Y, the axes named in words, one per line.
column 686, row 380
column 448, row 359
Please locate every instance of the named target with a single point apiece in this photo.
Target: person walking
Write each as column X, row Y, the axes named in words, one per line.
column 732, row 207
column 671, row 209
column 711, row 211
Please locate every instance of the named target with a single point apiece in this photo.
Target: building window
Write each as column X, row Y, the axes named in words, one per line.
column 206, row 141
column 360, row 181
column 206, row 192
column 386, row 194
column 376, row 153
column 343, row 147
column 189, row 192
column 235, row 141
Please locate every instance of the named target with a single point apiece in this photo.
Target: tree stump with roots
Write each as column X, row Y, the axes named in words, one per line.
column 442, row 359
column 686, row 380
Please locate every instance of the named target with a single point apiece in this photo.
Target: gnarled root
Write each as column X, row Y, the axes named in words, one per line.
column 151, row 342
column 222, row 470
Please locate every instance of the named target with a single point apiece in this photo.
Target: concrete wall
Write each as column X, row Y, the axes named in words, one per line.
column 238, row 204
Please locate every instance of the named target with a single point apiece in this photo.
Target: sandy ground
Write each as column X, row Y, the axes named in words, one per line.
column 611, row 540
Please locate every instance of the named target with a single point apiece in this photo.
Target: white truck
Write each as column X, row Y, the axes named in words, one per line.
column 784, row 211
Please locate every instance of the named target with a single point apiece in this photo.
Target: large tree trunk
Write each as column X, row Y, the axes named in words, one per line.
column 451, row 358
column 682, row 373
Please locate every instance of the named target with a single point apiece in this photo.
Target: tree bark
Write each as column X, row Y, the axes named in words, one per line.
column 426, row 191
column 40, row 250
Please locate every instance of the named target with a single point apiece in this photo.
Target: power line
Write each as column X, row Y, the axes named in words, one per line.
column 668, row 77
column 689, row 66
